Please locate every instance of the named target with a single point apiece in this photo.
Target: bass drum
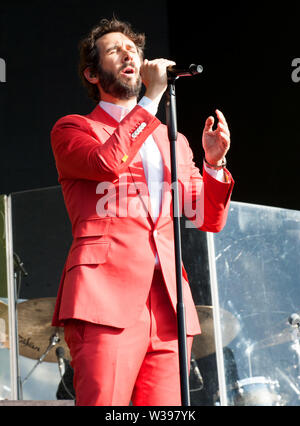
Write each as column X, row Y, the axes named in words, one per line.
column 255, row 391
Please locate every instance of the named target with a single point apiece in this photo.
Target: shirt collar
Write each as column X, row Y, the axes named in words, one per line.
column 117, row 112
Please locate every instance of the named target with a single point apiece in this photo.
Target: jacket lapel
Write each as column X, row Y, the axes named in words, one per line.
column 136, row 169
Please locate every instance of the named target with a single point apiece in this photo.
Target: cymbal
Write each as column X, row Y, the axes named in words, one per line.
column 35, row 330
column 204, row 343
column 284, row 336
column 4, row 339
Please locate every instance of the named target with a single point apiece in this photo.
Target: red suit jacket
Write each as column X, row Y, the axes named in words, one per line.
column 109, row 268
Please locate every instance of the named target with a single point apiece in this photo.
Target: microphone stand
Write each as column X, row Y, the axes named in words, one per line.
column 19, row 270
column 54, row 339
column 171, row 118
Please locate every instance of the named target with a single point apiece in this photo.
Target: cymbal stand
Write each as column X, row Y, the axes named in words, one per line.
column 54, row 339
column 289, row 381
column 19, row 271
column 197, row 374
column 296, row 347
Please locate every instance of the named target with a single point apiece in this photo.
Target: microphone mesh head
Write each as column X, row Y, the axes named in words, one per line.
column 294, row 319
column 60, row 351
column 195, row 69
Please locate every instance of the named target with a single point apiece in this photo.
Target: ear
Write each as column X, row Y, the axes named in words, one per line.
column 90, row 76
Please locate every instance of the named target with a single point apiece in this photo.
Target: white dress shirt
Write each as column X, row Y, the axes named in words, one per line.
column 151, row 156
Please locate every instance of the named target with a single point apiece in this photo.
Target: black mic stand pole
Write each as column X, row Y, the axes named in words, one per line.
column 171, row 118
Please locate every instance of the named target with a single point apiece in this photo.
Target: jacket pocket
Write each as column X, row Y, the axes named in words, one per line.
column 92, row 228
column 88, row 254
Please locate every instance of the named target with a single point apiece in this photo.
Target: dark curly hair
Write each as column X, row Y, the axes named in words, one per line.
column 90, row 55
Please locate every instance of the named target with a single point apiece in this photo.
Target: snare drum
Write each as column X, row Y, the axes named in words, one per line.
column 256, row 391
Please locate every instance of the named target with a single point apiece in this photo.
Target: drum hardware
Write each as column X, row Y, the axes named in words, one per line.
column 283, row 336
column 5, row 393
column 288, row 380
column 256, row 391
column 19, row 265
column 61, row 367
column 287, row 334
column 253, row 391
column 19, row 270
column 290, row 333
column 197, row 374
column 294, row 321
column 3, row 325
column 248, row 352
column 34, row 326
column 296, row 348
column 204, row 343
column 54, row 339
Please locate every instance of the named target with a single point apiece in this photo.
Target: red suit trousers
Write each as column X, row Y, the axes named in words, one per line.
column 138, row 364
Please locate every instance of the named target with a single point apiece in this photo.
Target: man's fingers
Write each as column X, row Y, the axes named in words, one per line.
column 159, row 61
column 155, row 67
column 221, row 117
column 154, row 77
column 209, row 124
column 225, row 137
column 222, row 124
column 223, row 128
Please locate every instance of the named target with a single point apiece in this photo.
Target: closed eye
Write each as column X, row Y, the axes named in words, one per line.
column 111, row 49
column 115, row 48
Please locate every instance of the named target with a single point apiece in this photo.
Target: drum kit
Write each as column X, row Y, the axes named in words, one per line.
column 282, row 390
column 37, row 339
column 34, row 329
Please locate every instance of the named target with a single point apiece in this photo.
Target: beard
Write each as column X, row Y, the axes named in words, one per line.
column 118, row 87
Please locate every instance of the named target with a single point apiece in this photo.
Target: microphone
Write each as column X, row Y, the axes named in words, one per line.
column 60, row 359
column 61, row 365
column 294, row 319
column 197, row 373
column 20, row 265
column 184, row 71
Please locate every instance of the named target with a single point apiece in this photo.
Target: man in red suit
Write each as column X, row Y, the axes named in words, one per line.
column 117, row 297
